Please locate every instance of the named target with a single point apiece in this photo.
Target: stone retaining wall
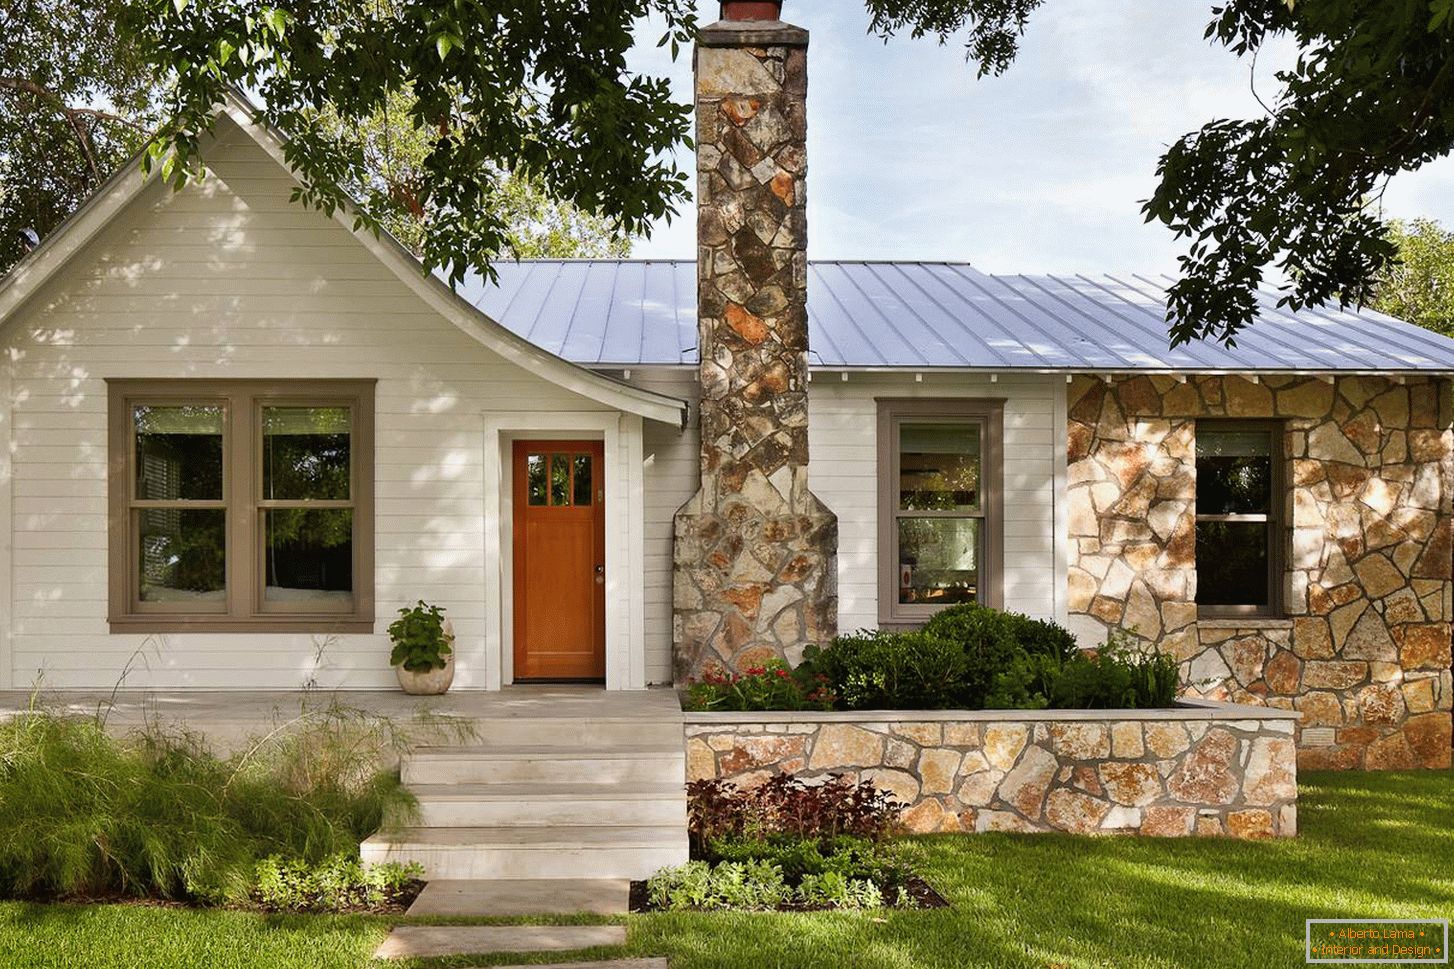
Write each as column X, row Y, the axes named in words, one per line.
column 1362, row 650
column 1198, row 769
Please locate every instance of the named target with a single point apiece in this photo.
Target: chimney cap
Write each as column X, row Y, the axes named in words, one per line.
column 752, row 9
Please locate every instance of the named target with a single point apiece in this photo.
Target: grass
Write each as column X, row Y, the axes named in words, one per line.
column 1371, row 845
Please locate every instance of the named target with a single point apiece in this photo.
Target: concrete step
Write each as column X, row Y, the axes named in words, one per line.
column 427, row 941
column 523, row 896
column 650, row 764
column 533, row 852
column 592, row 733
column 565, row 805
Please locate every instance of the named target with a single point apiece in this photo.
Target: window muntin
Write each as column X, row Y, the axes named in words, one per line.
column 241, row 504
column 940, row 521
column 1237, row 534
column 559, row 479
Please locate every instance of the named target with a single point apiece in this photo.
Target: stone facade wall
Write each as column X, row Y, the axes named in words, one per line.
column 754, row 570
column 1363, row 651
column 1212, row 769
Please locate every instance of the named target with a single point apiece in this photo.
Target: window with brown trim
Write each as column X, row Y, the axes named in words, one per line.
column 940, row 506
column 241, row 505
column 1240, row 497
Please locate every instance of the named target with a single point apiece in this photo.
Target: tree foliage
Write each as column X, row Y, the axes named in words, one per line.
column 76, row 101
column 495, row 110
column 537, row 90
column 1371, row 94
column 83, row 88
column 1418, row 285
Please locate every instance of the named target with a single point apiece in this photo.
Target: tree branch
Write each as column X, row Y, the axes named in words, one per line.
column 30, row 87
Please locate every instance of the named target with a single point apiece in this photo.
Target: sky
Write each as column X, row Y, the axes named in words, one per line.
column 1041, row 169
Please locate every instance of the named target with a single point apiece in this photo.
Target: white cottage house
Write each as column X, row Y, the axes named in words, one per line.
column 239, row 435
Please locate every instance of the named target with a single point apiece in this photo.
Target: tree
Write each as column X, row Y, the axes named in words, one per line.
column 1418, row 285
column 79, row 97
column 75, row 102
column 540, row 91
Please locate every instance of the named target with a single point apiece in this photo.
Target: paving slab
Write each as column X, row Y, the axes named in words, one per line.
column 524, row 896
column 449, row 940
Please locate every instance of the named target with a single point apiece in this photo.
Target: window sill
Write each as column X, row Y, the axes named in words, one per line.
column 1244, row 622
column 338, row 625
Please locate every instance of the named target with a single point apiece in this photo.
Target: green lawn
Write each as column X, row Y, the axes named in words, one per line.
column 1371, row 845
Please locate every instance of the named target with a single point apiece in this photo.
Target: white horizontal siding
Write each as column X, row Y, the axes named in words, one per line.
column 228, row 279
column 843, row 472
column 672, row 473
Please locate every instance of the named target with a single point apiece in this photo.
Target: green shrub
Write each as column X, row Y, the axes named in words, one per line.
column 420, row 641
column 339, row 883
column 1116, row 677
column 877, row 670
column 156, row 814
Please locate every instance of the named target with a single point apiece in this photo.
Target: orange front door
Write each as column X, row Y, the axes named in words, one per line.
column 560, row 563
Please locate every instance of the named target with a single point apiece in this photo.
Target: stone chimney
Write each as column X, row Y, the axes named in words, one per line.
column 755, row 570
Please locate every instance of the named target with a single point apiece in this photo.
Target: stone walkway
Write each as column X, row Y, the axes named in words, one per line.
column 515, row 897
column 425, row 941
column 524, row 896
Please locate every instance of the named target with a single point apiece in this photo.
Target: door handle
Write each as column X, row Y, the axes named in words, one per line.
column 600, row 574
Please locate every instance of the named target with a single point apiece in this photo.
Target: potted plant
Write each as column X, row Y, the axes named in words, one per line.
column 423, row 655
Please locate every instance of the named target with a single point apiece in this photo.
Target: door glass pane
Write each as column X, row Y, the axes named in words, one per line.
column 535, row 478
column 559, row 479
column 939, row 560
column 178, row 452
column 939, row 467
column 581, row 477
column 1232, row 563
column 306, row 453
column 1234, row 472
column 183, row 555
column 308, row 554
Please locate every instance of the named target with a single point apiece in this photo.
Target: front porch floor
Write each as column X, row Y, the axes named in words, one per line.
column 228, row 717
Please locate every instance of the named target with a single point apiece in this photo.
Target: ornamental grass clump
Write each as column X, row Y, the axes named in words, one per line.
column 157, row 815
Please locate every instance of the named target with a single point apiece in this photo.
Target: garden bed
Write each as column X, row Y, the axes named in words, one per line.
column 1196, row 768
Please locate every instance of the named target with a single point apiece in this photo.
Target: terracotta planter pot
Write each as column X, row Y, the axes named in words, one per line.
column 432, row 682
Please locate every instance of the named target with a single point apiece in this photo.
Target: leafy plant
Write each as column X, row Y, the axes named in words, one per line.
column 420, row 642
column 1117, row 676
column 885, row 670
column 787, row 805
column 338, row 883
column 835, row 890
column 771, row 687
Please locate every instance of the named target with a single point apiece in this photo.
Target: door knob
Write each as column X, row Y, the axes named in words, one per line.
column 600, row 574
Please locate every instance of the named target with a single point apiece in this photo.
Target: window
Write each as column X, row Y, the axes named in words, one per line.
column 241, row 505
column 939, row 506
column 1239, row 499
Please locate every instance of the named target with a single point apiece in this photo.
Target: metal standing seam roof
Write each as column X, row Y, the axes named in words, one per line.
column 929, row 315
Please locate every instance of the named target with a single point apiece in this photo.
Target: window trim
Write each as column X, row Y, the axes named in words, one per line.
column 1276, row 519
column 893, row 412
column 243, row 400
